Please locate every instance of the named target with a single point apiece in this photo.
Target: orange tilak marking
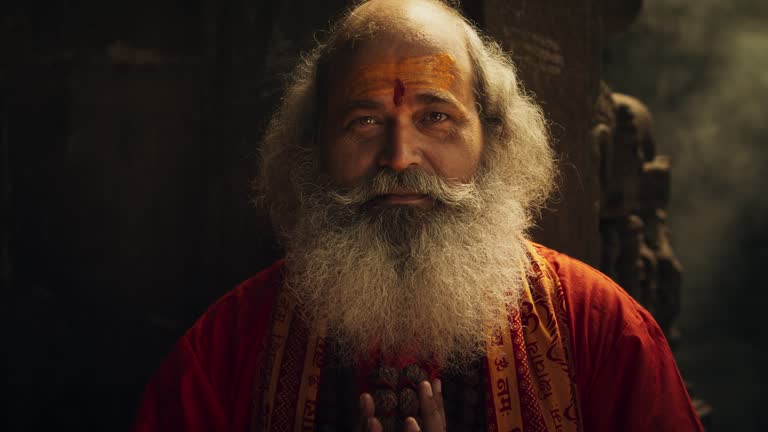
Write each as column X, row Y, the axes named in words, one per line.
column 433, row 71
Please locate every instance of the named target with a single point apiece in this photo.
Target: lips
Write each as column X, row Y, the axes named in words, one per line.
column 403, row 198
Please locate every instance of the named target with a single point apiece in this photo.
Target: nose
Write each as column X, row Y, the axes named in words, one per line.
column 402, row 149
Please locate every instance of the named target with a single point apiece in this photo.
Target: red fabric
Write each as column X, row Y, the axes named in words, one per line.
column 626, row 376
column 206, row 383
column 627, row 379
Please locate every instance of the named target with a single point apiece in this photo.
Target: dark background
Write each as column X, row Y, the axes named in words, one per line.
column 702, row 67
column 129, row 131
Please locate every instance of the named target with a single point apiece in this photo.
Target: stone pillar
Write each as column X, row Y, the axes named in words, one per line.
column 556, row 46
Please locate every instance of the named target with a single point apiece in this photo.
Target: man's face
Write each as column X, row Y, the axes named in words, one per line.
column 402, row 225
column 400, row 105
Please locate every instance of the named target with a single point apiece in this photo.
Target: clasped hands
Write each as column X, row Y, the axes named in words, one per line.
column 431, row 408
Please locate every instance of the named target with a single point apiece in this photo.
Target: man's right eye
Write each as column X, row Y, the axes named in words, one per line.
column 364, row 121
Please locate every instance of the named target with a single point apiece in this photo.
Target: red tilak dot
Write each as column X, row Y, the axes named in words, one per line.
column 397, row 98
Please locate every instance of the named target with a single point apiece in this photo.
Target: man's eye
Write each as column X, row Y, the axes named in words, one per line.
column 436, row 117
column 364, row 121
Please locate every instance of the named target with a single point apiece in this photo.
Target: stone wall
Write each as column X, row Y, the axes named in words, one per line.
column 129, row 138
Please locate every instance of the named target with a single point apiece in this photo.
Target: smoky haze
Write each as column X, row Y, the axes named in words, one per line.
column 702, row 68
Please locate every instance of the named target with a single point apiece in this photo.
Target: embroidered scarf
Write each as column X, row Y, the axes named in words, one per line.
column 531, row 385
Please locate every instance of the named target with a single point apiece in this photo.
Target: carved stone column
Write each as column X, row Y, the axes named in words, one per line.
column 556, row 46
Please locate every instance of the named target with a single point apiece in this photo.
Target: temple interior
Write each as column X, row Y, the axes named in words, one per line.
column 130, row 131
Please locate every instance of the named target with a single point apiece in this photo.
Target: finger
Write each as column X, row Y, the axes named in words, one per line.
column 431, row 416
column 366, row 405
column 437, row 390
column 366, row 414
column 374, row 425
column 411, row 425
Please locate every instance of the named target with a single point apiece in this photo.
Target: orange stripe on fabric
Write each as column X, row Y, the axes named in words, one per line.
column 282, row 324
column 530, row 368
column 503, row 379
column 562, row 413
column 310, row 383
column 289, row 383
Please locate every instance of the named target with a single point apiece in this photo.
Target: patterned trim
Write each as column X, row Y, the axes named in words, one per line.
column 530, row 377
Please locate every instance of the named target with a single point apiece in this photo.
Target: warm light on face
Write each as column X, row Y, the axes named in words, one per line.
column 424, row 72
column 399, row 106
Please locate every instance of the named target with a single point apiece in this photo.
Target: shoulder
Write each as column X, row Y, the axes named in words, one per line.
column 603, row 317
column 588, row 291
column 240, row 315
column 571, row 270
column 625, row 372
column 206, row 380
column 246, row 297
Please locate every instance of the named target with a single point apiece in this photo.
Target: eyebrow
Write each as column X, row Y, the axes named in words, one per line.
column 432, row 98
column 427, row 98
column 438, row 98
column 362, row 103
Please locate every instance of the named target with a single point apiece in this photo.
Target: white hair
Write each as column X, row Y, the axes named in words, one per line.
column 412, row 282
column 515, row 130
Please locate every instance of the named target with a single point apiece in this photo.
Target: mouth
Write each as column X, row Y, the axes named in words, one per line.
column 414, row 199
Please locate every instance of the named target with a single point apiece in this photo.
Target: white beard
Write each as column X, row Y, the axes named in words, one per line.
column 411, row 283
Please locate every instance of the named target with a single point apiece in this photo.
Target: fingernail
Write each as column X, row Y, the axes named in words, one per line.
column 413, row 425
column 428, row 389
column 362, row 401
column 437, row 386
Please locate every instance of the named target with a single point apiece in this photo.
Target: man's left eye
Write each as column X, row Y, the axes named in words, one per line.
column 365, row 121
column 436, row 117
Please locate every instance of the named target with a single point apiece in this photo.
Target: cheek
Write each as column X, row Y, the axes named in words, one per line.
column 347, row 159
column 468, row 158
column 459, row 158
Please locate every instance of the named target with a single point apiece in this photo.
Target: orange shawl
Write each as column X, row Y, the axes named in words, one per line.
column 530, row 373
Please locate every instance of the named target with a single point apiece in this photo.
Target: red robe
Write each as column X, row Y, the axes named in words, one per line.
column 626, row 376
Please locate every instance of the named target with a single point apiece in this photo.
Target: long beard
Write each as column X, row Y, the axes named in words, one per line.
column 407, row 282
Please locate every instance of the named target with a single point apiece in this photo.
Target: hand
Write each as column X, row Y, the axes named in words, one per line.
column 368, row 422
column 430, row 406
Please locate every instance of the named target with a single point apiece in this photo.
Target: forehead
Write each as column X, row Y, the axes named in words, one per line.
column 371, row 67
column 428, row 71
column 388, row 46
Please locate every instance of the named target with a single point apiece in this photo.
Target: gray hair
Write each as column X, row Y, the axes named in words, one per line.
column 516, row 136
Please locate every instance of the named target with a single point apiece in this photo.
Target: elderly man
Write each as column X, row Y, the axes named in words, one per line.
column 402, row 171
